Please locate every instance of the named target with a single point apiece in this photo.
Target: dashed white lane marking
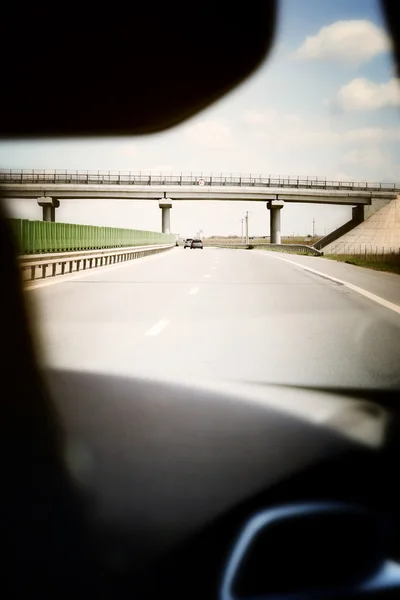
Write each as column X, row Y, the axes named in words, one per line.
column 207, row 275
column 355, row 288
column 158, row 327
column 213, row 268
column 193, row 291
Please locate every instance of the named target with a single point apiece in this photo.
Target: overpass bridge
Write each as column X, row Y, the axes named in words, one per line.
column 49, row 187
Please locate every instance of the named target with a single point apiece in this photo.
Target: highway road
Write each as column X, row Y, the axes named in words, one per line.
column 219, row 315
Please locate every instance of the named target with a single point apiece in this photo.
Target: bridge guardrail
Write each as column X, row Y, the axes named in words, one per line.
column 10, row 176
column 58, row 262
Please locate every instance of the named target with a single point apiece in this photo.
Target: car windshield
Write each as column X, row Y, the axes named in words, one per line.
column 291, row 186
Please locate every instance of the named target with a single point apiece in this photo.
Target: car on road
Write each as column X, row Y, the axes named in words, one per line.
column 197, row 244
column 188, row 243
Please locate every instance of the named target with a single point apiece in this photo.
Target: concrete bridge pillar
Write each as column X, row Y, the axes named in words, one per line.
column 49, row 206
column 165, row 205
column 274, row 206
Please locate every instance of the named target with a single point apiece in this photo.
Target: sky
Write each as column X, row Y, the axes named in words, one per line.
column 325, row 103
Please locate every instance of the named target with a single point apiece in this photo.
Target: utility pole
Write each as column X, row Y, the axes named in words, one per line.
column 313, row 228
column 241, row 237
column 247, row 227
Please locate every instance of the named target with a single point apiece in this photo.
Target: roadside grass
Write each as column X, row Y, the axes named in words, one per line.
column 377, row 262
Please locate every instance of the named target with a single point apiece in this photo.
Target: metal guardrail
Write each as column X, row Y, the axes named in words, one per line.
column 57, row 263
column 296, row 248
column 10, row 176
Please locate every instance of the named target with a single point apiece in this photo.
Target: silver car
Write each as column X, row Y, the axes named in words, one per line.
column 197, row 244
column 188, row 243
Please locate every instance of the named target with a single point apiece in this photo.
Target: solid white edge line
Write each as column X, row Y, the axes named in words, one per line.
column 158, row 327
column 351, row 286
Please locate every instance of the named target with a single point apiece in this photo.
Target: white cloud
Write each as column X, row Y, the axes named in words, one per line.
column 370, row 156
column 376, row 163
column 211, row 133
column 325, row 135
column 372, row 163
column 353, row 41
column 372, row 134
column 288, row 133
column 362, row 94
column 166, row 169
column 126, row 149
column 292, row 121
column 283, row 130
column 343, row 176
column 261, row 117
column 272, row 118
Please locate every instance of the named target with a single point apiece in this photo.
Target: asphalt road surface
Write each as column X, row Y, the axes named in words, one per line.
column 221, row 315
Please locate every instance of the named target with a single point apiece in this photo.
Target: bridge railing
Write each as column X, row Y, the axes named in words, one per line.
column 59, row 176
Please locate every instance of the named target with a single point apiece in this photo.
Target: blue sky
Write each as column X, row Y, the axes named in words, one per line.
column 325, row 103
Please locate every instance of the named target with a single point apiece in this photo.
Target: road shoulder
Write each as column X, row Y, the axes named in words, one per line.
column 379, row 284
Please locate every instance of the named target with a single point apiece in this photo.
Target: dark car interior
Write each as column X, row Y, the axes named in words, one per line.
column 106, row 495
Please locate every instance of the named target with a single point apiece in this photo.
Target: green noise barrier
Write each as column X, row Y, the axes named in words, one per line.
column 37, row 237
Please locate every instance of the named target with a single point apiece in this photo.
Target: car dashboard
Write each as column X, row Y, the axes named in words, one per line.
column 174, row 476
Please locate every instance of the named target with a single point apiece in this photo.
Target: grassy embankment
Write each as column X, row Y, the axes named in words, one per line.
column 378, row 262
